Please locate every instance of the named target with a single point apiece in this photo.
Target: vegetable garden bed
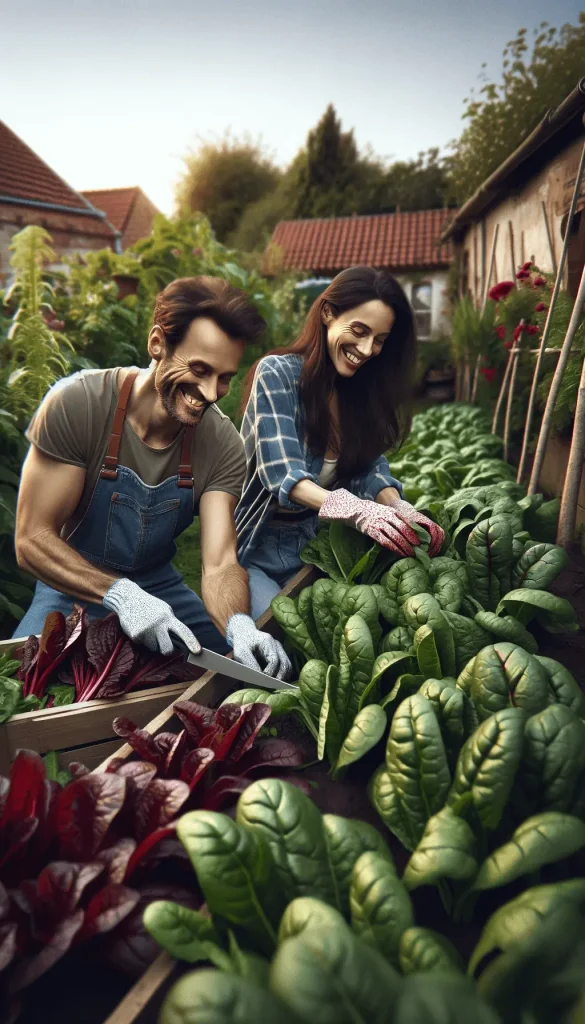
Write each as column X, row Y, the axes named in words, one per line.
column 414, row 808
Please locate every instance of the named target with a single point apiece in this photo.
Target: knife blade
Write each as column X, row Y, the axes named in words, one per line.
column 213, row 662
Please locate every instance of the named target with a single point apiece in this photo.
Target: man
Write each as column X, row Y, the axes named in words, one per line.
column 120, row 462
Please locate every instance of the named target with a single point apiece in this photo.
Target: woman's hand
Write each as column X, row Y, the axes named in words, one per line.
column 380, row 522
column 409, row 514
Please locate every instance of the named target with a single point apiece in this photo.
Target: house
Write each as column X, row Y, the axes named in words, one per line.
column 527, row 198
column 128, row 209
column 404, row 243
column 527, row 201
column 32, row 193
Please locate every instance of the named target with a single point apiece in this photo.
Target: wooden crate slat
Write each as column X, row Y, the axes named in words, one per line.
column 135, row 1001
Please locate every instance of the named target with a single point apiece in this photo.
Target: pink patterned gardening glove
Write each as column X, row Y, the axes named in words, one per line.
column 409, row 514
column 380, row 522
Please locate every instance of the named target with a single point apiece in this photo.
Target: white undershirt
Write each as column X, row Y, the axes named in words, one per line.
column 327, row 474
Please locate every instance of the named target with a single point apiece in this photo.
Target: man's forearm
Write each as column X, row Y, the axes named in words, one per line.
column 60, row 566
column 225, row 592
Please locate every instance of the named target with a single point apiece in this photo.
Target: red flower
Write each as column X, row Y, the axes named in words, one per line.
column 489, row 372
column 500, row 290
column 176, row 253
column 501, row 332
column 539, row 282
column 508, row 344
column 196, row 252
column 522, row 275
column 526, row 266
column 517, row 332
column 540, row 307
column 531, row 329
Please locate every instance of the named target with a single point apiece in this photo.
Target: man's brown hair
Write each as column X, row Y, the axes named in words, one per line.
column 187, row 298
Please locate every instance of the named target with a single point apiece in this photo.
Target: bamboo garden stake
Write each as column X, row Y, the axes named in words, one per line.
column 555, row 387
column 547, row 326
column 568, row 515
column 484, row 299
column 551, row 247
column 515, row 354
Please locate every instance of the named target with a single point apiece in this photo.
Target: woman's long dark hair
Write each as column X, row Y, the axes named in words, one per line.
column 374, row 404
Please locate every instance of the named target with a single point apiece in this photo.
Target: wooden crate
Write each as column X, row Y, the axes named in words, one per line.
column 212, row 687
column 79, row 732
column 209, row 689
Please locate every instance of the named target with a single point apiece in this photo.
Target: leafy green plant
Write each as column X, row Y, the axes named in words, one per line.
column 307, row 919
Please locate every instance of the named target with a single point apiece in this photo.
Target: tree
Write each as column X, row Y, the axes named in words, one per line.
column 504, row 114
column 421, row 184
column 222, row 179
column 330, row 174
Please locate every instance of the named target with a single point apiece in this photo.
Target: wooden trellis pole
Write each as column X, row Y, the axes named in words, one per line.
column 547, row 326
column 546, row 425
column 503, row 387
column 508, row 419
column 568, row 516
column 551, row 247
column 487, row 279
column 512, row 253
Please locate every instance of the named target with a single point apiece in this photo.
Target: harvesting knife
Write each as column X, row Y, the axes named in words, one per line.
column 213, row 662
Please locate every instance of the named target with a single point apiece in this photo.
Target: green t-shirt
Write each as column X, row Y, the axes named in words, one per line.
column 74, row 421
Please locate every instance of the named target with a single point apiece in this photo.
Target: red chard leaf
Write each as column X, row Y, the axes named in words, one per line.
column 139, row 739
column 118, row 672
column 143, row 850
column 50, row 654
column 56, row 945
column 140, row 772
column 224, row 791
column 27, row 655
column 7, row 943
column 270, row 753
column 108, row 907
column 116, row 858
column 27, row 778
column 84, row 811
column 196, row 718
column 195, row 765
column 254, row 718
column 60, row 887
column 13, row 841
column 158, row 804
column 175, row 753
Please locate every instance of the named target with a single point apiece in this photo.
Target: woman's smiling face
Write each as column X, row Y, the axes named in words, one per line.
column 357, row 335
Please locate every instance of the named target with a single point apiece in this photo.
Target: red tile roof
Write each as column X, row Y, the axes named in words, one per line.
column 128, row 209
column 116, row 203
column 397, row 241
column 24, row 176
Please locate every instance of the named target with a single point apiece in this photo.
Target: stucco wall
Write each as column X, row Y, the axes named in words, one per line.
column 523, row 209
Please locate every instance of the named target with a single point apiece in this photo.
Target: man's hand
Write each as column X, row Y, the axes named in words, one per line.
column 147, row 619
column 255, row 649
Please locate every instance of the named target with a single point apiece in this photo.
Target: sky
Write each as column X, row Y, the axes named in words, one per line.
column 112, row 93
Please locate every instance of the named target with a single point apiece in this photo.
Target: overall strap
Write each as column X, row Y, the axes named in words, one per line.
column 109, row 470
column 185, row 465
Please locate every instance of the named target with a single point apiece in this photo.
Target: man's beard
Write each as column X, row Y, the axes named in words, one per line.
column 176, row 407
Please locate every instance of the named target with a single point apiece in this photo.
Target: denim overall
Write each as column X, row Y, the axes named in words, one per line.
column 129, row 529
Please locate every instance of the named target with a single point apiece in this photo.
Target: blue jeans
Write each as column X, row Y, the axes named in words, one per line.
column 165, row 583
column 275, row 560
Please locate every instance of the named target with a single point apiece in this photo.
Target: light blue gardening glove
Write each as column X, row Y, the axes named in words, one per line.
column 147, row 619
column 255, row 649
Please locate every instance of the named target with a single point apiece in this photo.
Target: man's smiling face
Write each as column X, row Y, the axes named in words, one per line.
column 197, row 372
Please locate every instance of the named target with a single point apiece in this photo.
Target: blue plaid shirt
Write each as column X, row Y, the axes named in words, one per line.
column 277, row 454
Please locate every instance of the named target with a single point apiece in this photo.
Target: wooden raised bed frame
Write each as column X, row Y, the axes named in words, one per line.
column 209, row 690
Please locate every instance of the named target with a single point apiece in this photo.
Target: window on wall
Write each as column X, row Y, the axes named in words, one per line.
column 421, row 305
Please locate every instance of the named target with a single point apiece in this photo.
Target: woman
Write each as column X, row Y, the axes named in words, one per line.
column 318, row 418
